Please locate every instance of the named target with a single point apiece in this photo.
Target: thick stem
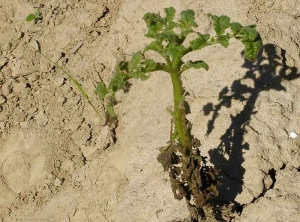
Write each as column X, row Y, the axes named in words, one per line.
column 179, row 110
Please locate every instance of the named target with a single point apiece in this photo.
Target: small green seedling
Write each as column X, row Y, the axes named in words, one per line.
column 35, row 17
column 191, row 178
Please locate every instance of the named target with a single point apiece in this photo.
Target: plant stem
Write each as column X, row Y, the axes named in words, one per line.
column 179, row 110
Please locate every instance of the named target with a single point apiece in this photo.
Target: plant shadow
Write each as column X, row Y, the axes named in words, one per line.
column 267, row 73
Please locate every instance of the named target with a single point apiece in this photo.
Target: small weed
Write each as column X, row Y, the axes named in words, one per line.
column 35, row 17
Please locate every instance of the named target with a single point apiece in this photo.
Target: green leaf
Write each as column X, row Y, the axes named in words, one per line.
column 110, row 111
column 200, row 42
column 150, row 65
column 252, row 49
column 174, row 50
column 139, row 74
column 170, row 13
column 250, row 34
column 168, row 35
column 118, row 82
column 101, row 90
column 235, row 27
column 187, row 19
column 155, row 46
column 135, row 61
column 155, row 23
column 220, row 23
column 224, row 40
column 194, row 64
column 30, row 17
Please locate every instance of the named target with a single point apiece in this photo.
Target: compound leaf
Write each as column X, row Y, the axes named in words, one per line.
column 220, row 23
column 200, row 42
column 194, row 64
column 101, row 90
column 30, row 17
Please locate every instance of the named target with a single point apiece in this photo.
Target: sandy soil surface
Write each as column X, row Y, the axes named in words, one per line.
column 60, row 162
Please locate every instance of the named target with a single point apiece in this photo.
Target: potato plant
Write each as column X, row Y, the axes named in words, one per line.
column 191, row 178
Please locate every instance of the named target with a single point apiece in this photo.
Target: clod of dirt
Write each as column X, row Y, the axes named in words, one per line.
column 3, row 61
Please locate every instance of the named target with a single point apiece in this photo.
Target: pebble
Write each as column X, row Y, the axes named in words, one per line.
column 19, row 87
column 33, row 77
column 35, row 44
column 2, row 100
column 57, row 182
column 41, row 119
column 76, row 48
column 59, row 81
column 269, row 4
column 293, row 135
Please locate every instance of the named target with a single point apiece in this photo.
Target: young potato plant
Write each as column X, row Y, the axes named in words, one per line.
column 190, row 176
column 35, row 17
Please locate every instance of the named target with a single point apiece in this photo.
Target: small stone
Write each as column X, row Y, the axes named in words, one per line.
column 3, row 61
column 293, row 135
column 35, row 44
column 19, row 87
column 76, row 48
column 59, row 81
column 269, row 4
column 41, row 119
column 6, row 88
column 33, row 77
column 57, row 182
column 24, row 125
column 2, row 100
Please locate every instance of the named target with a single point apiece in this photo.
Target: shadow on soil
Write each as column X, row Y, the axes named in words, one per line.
column 267, row 73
